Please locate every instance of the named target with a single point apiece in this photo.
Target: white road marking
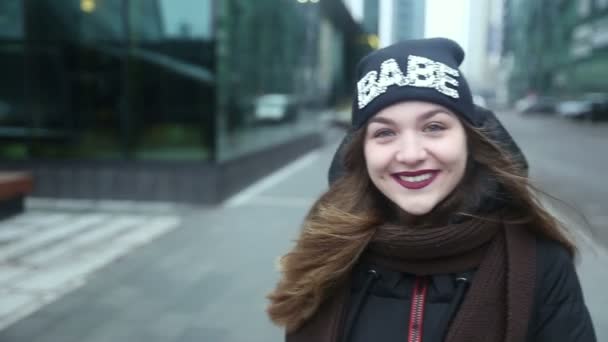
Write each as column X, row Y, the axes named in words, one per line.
column 82, row 244
column 96, row 236
column 282, row 201
column 81, row 223
column 276, row 177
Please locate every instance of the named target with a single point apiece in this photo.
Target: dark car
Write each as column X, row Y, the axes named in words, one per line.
column 589, row 107
column 599, row 103
column 536, row 105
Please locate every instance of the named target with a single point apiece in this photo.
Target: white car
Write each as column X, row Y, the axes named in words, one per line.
column 480, row 101
column 274, row 108
column 574, row 108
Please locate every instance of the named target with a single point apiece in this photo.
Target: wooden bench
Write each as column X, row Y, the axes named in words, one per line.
column 14, row 186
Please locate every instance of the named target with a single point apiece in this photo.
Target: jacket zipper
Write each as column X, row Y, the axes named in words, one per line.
column 417, row 310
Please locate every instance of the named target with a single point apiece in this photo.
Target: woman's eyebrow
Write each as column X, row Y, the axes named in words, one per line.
column 382, row 120
column 429, row 114
column 424, row 116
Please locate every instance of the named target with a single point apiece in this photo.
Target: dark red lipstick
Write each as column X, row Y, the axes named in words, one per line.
column 415, row 185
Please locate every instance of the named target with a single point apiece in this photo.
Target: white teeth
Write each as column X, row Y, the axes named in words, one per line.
column 417, row 178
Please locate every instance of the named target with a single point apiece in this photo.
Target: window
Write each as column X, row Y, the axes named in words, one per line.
column 601, row 4
column 584, row 8
column 13, row 113
column 11, row 19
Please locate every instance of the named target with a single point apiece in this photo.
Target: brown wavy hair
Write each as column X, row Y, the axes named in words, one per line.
column 342, row 222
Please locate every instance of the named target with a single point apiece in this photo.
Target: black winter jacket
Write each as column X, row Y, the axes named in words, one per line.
column 382, row 313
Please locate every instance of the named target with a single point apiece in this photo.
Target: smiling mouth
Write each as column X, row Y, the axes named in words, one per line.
column 417, row 180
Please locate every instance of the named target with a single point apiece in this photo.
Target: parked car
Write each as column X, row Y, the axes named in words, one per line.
column 275, row 108
column 536, row 105
column 480, row 100
column 599, row 102
column 590, row 107
column 575, row 109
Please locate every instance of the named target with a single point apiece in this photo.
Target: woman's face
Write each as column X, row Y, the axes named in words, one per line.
column 416, row 154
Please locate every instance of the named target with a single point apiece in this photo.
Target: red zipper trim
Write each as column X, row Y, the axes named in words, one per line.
column 417, row 310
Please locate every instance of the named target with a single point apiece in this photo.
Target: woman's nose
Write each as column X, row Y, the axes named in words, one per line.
column 411, row 151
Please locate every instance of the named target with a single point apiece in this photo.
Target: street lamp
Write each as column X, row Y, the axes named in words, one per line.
column 88, row 6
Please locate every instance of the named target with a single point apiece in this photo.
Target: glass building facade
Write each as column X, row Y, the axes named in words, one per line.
column 163, row 79
column 106, row 79
column 557, row 48
column 107, row 91
column 408, row 19
column 268, row 57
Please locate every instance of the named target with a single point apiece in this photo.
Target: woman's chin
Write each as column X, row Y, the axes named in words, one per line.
column 416, row 210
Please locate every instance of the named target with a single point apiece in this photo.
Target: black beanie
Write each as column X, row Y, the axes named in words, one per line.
column 413, row 70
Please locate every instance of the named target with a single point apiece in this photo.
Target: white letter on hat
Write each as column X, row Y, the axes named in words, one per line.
column 421, row 72
column 443, row 72
column 390, row 74
column 367, row 89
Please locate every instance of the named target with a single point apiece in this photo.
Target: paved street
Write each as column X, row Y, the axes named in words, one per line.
column 569, row 160
column 202, row 274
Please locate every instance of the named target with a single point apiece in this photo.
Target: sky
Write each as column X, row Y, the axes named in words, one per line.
column 448, row 18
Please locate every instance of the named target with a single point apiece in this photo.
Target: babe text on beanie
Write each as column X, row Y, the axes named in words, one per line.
column 413, row 70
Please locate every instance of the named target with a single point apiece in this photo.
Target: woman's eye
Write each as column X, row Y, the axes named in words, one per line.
column 383, row 133
column 434, row 127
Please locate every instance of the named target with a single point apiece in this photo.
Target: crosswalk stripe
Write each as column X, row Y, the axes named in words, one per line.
column 14, row 302
column 39, row 203
column 51, row 260
column 19, row 305
column 23, row 225
column 98, row 234
column 75, row 269
column 10, row 272
column 135, row 238
column 32, row 220
column 48, row 236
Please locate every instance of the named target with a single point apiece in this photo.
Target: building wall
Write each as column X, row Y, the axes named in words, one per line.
column 556, row 47
column 153, row 79
column 479, row 69
column 90, row 87
column 408, row 19
column 331, row 61
column 104, row 80
column 355, row 7
column 401, row 20
column 371, row 15
column 386, row 23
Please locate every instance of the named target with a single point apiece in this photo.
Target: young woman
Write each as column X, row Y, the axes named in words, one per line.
column 431, row 232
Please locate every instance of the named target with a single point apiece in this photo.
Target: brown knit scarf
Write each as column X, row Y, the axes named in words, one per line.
column 497, row 305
